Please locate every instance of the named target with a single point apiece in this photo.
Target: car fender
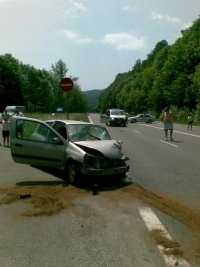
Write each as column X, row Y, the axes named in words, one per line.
column 73, row 152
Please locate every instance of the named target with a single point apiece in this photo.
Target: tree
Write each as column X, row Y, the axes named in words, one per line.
column 59, row 69
column 10, row 82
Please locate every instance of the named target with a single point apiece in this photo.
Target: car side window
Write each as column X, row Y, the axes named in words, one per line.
column 61, row 129
column 34, row 131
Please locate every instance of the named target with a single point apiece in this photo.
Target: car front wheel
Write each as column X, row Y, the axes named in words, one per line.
column 71, row 172
column 133, row 121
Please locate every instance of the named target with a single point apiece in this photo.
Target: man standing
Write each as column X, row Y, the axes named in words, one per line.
column 190, row 122
column 6, row 129
column 167, row 119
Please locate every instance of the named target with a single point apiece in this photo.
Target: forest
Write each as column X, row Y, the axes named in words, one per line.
column 169, row 76
column 37, row 90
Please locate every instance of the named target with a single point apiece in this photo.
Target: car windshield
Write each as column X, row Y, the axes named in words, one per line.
column 11, row 110
column 79, row 132
column 117, row 112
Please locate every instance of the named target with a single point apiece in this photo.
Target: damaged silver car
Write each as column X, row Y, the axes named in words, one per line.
column 79, row 149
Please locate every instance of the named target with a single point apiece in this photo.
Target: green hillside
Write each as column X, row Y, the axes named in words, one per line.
column 170, row 75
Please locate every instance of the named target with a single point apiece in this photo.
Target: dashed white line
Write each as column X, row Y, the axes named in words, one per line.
column 189, row 134
column 153, row 223
column 166, row 142
column 136, row 131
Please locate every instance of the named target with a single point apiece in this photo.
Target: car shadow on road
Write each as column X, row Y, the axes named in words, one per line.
column 102, row 185
column 57, row 173
column 40, row 183
column 90, row 184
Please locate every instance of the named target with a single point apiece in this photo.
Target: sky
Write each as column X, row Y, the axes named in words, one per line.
column 96, row 39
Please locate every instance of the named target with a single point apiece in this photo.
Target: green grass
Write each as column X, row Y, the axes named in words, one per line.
column 65, row 116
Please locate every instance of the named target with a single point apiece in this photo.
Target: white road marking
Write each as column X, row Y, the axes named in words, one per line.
column 166, row 142
column 193, row 135
column 136, row 131
column 153, row 223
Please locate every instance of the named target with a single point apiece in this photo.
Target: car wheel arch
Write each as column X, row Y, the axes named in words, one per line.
column 72, row 168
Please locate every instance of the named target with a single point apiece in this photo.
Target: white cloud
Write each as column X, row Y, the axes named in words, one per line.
column 74, row 9
column 124, row 41
column 129, row 8
column 187, row 25
column 121, row 41
column 76, row 37
column 125, row 8
column 156, row 16
column 78, row 5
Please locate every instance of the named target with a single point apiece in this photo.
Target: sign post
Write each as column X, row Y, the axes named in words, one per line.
column 66, row 85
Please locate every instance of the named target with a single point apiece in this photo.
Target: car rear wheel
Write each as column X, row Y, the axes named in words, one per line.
column 71, row 172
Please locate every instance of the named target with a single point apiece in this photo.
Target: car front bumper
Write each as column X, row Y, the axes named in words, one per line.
column 104, row 172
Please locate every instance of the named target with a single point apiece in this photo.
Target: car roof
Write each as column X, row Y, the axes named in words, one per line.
column 68, row 122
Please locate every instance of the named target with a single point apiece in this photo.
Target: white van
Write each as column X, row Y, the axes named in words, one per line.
column 114, row 117
column 12, row 110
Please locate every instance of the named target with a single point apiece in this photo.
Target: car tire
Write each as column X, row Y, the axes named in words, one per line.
column 71, row 172
column 133, row 121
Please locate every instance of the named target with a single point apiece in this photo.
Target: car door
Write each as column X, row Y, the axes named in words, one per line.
column 147, row 118
column 36, row 144
column 105, row 116
column 140, row 118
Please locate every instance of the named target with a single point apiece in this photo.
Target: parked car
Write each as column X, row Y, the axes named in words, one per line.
column 80, row 149
column 142, row 118
column 113, row 117
column 58, row 111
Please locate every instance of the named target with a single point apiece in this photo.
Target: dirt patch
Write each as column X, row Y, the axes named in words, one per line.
column 44, row 200
column 170, row 247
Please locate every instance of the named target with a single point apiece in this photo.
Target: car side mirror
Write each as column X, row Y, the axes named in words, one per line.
column 57, row 141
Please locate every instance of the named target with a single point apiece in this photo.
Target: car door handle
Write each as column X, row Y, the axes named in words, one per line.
column 18, row 145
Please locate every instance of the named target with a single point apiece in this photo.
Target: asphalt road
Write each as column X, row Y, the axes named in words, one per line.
column 172, row 168
column 107, row 229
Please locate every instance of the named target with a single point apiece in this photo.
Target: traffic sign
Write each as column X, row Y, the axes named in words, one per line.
column 66, row 85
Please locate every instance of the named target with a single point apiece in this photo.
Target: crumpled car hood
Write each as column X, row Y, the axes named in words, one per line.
column 109, row 148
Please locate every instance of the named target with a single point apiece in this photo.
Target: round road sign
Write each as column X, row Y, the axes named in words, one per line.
column 66, row 84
